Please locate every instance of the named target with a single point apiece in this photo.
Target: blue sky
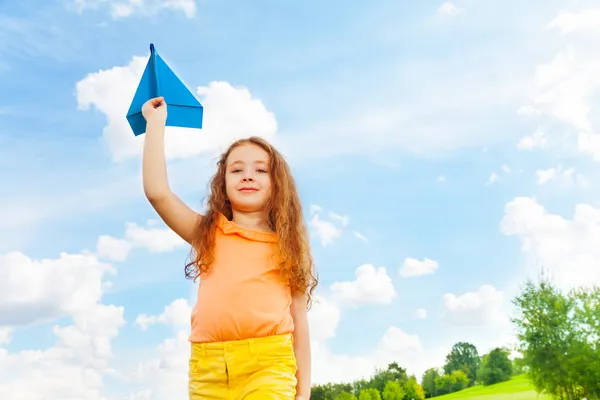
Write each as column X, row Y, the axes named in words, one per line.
column 455, row 138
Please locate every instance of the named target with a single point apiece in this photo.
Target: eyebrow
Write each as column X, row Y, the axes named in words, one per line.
column 241, row 162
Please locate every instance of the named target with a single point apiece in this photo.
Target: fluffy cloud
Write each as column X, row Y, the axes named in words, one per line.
column 483, row 307
column 448, row 9
column 566, row 248
column 126, row 8
column 165, row 376
column 537, row 140
column 323, row 318
column 5, row 335
column 564, row 87
column 176, row 313
column 372, row 286
column 421, row 313
column 587, row 21
column 70, row 289
column 560, row 175
column 394, row 345
column 37, row 291
column 327, row 227
column 230, row 113
column 413, row 267
column 155, row 240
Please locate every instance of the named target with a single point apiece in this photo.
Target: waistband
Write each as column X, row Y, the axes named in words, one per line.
column 252, row 344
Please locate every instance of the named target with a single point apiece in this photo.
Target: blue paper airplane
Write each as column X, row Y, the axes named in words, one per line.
column 183, row 109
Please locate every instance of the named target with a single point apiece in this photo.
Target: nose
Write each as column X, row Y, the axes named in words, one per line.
column 247, row 178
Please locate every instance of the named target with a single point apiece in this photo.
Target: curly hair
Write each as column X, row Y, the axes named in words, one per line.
column 284, row 217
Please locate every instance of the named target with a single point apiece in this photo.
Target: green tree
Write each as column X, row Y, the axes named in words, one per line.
column 443, row 384
column 369, row 394
column 518, row 366
column 495, row 367
column 585, row 349
column 393, row 372
column 414, row 391
column 329, row 391
column 393, row 391
column 558, row 337
column 459, row 380
column 318, row 392
column 343, row 396
column 450, row 383
column 428, row 382
column 463, row 357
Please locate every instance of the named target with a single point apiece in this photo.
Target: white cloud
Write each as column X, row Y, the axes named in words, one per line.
column 229, row 113
column 537, row 140
column 126, row 8
column 5, row 335
column 557, row 174
column 413, row 267
column 165, row 376
column 448, row 9
column 421, row 313
column 360, row 236
column 394, row 345
column 371, row 287
column 483, row 307
column 567, row 249
column 155, row 240
column 326, row 228
column 327, row 366
column 587, row 21
column 324, row 318
column 176, row 313
column 564, row 87
column 35, row 291
column 112, row 248
column 70, row 288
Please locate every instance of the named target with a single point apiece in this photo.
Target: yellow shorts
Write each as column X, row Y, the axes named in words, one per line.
column 253, row 369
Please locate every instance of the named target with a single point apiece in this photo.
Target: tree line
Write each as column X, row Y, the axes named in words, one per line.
column 558, row 339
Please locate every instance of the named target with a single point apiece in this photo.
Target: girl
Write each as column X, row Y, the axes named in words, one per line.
column 249, row 334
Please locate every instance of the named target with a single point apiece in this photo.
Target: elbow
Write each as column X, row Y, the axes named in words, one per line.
column 156, row 196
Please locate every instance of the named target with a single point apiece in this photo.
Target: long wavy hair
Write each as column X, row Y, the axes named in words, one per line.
column 284, row 217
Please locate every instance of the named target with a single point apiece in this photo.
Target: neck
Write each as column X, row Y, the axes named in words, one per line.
column 251, row 220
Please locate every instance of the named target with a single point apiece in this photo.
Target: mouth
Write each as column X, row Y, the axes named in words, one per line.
column 248, row 190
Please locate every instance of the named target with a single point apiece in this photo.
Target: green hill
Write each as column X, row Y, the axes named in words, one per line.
column 518, row 388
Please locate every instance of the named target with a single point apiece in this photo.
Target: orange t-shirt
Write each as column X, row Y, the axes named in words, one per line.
column 241, row 296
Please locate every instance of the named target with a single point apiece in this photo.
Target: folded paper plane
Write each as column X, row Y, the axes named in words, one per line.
column 183, row 109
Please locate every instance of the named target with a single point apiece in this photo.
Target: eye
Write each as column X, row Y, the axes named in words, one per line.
column 262, row 171
column 236, row 170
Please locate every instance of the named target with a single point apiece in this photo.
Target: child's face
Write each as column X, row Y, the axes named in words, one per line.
column 247, row 178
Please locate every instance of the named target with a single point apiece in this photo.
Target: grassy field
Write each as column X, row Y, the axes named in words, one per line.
column 518, row 388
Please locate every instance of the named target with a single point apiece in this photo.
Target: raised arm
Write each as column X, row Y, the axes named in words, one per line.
column 174, row 212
